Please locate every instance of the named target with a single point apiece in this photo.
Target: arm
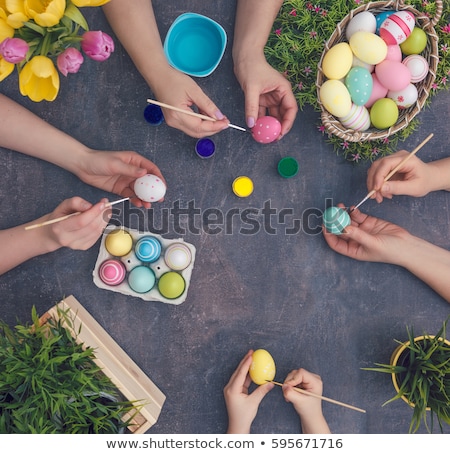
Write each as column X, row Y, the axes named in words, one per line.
column 372, row 239
column 135, row 26
column 110, row 171
column 242, row 407
column 78, row 232
column 308, row 408
column 415, row 178
column 263, row 86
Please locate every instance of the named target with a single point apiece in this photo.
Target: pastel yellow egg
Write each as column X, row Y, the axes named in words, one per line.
column 368, row 47
column 262, row 368
column 337, row 61
column 118, row 242
column 335, row 98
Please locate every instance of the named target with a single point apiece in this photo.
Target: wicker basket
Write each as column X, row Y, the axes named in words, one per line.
column 332, row 124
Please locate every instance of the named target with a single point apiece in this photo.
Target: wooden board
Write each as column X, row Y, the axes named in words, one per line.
column 130, row 380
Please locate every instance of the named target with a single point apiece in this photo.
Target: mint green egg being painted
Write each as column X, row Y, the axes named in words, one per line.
column 335, row 219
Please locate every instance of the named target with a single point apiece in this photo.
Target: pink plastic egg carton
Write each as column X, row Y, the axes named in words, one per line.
column 120, row 275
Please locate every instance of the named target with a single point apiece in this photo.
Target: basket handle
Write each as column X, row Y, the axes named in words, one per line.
column 437, row 15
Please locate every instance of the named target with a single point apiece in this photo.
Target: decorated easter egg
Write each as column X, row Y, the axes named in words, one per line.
column 394, row 52
column 141, row 279
column 381, row 17
column 418, row 67
column 262, row 368
column 393, row 75
column 178, row 256
column 378, row 91
column 358, row 119
column 335, row 98
column 359, row 84
column 335, row 220
column 397, row 27
column 384, row 113
column 362, row 64
column 361, row 22
column 171, row 285
column 415, row 43
column 118, row 242
column 266, row 130
column 337, row 61
column 112, row 272
column 149, row 188
column 368, row 47
column 148, row 249
column 404, row 98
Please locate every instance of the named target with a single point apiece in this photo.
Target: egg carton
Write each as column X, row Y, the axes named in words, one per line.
column 159, row 267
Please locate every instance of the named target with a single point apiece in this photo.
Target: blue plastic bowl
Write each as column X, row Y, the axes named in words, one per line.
column 195, row 44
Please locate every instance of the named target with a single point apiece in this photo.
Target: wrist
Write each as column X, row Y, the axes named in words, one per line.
column 438, row 175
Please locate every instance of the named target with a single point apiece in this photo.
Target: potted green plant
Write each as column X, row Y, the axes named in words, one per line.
column 50, row 384
column 420, row 371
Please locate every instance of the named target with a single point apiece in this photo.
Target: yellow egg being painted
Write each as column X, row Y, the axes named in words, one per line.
column 262, row 368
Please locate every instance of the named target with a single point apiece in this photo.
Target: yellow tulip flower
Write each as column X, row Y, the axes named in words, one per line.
column 6, row 68
column 39, row 79
column 81, row 3
column 17, row 15
column 6, row 31
column 45, row 13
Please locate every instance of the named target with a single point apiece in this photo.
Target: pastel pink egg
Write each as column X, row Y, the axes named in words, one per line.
column 397, row 27
column 112, row 272
column 393, row 75
column 418, row 67
column 394, row 52
column 266, row 130
column 378, row 91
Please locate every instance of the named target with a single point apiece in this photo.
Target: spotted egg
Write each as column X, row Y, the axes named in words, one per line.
column 266, row 130
column 262, row 368
column 359, row 84
column 150, row 188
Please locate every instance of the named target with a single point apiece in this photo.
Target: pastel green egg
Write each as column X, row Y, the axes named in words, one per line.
column 171, row 285
column 262, row 368
column 415, row 43
column 335, row 98
column 337, row 61
column 359, row 84
column 384, row 113
column 335, row 219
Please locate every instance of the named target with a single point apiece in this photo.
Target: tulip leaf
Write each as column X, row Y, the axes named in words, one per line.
column 33, row 26
column 73, row 13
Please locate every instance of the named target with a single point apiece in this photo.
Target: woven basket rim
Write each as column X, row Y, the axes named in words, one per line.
column 431, row 53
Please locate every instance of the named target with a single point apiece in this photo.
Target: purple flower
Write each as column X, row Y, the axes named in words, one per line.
column 69, row 61
column 13, row 50
column 97, row 45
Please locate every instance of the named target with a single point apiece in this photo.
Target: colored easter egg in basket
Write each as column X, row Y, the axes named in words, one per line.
column 266, row 130
column 384, row 113
column 378, row 91
column 262, row 368
column 118, row 242
column 404, row 98
column 359, row 84
column 368, row 47
column 394, row 52
column 358, row 118
column 381, row 17
column 335, row 219
column 178, row 256
column 393, row 75
column 418, row 66
column 149, row 188
column 335, row 98
column 397, row 27
column 112, row 272
column 415, row 43
column 141, row 279
column 148, row 249
column 361, row 22
column 171, row 285
column 337, row 61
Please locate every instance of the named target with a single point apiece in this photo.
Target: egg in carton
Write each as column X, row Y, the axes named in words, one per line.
column 144, row 265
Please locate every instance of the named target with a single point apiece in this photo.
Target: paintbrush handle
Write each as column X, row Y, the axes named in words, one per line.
column 318, row 396
column 67, row 216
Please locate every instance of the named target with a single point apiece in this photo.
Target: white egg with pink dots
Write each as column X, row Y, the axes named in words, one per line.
column 149, row 188
column 266, row 130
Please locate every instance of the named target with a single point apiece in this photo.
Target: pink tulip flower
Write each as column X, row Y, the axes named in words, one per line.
column 13, row 50
column 69, row 61
column 97, row 45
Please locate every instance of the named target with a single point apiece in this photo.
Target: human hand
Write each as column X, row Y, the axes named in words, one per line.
column 115, row 171
column 80, row 231
column 370, row 239
column 414, row 178
column 242, row 407
column 309, row 408
column 180, row 90
column 267, row 92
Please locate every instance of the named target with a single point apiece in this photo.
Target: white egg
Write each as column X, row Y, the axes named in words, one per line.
column 361, row 22
column 404, row 98
column 149, row 188
column 418, row 66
